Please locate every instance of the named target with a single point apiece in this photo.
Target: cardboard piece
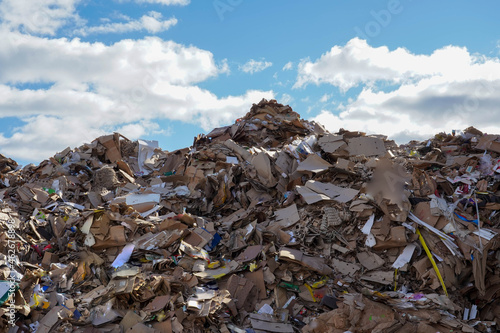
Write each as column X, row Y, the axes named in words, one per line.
column 262, row 165
column 314, row 263
column 313, row 163
column 141, row 328
column 50, row 319
column 489, row 142
column 157, row 304
column 382, row 277
column 396, row 238
column 266, row 323
column 212, row 274
column 245, row 155
column 370, row 260
column 288, row 216
column 111, row 142
column 345, row 268
column 48, row 259
column 332, row 192
column 249, row 254
column 423, row 212
column 129, row 320
column 244, row 292
column 257, row 278
column 330, row 143
column 198, row 237
column 367, row 146
column 344, row 164
column 310, row 196
column 164, row 326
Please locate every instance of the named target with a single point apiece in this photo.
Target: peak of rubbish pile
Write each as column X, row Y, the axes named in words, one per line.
column 272, row 224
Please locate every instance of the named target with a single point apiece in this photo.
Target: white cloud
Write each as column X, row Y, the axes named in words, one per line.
column 97, row 88
column 166, row 2
column 152, row 23
column 253, row 66
column 224, row 67
column 38, row 16
column 288, row 66
column 325, row 98
column 358, row 63
column 422, row 95
column 286, row 99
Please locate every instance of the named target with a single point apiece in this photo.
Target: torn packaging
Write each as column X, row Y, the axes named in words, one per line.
column 111, row 142
column 370, row 260
column 257, row 278
column 331, row 143
column 345, row 268
column 287, row 217
column 423, row 212
column 367, row 146
column 244, row 292
column 262, row 164
column 387, row 187
column 314, row 263
column 356, row 312
column 262, row 323
column 315, row 191
column 249, row 254
column 396, row 238
column 313, row 163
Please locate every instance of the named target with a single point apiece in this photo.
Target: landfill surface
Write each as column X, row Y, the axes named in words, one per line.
column 272, row 224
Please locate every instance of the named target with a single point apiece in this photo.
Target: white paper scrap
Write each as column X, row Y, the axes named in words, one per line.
column 124, row 256
column 369, row 224
column 370, row 240
column 404, row 257
column 266, row 309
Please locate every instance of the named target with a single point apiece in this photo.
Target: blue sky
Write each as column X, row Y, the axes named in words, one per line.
column 167, row 70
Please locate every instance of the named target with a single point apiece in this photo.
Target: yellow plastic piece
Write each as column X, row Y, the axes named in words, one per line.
column 36, row 300
column 253, row 267
column 161, row 316
column 214, row 264
column 320, row 283
column 429, row 255
column 310, row 291
column 396, row 279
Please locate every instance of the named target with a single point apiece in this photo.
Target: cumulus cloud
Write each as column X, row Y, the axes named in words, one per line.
column 254, row 66
column 43, row 17
column 93, row 88
column 359, row 63
column 288, row 66
column 405, row 94
column 152, row 23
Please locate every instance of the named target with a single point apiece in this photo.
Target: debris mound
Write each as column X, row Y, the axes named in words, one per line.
column 272, row 224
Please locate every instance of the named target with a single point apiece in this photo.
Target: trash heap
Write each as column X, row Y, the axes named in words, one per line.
column 272, row 224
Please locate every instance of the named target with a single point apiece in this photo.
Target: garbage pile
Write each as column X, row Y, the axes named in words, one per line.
column 272, row 224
